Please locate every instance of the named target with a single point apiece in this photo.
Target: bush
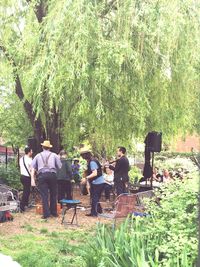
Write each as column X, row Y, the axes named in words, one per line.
column 176, row 163
column 11, row 175
column 135, row 174
column 167, row 238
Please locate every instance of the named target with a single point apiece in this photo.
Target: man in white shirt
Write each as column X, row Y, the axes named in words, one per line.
column 25, row 170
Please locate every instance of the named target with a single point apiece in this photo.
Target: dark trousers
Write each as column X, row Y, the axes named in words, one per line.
column 47, row 183
column 26, row 182
column 108, row 188
column 64, row 189
column 120, row 187
column 95, row 194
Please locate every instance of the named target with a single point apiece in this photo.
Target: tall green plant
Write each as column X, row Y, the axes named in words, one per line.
column 165, row 238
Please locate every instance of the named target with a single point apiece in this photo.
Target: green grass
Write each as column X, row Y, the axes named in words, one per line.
column 41, row 248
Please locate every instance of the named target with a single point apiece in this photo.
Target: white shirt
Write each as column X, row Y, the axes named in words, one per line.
column 166, row 179
column 28, row 162
column 109, row 179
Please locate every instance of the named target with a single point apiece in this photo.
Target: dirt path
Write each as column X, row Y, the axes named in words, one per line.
column 29, row 219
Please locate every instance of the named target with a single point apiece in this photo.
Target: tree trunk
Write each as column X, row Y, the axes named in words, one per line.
column 55, row 141
column 39, row 134
column 53, row 122
column 54, row 129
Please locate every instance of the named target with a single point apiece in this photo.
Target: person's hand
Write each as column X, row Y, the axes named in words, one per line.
column 83, row 181
column 33, row 183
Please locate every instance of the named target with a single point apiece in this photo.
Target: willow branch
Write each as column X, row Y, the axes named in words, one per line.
column 40, row 10
column 19, row 90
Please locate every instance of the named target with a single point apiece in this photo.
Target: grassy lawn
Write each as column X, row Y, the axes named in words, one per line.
column 42, row 248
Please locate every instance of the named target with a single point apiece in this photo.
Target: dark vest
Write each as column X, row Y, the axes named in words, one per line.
column 99, row 170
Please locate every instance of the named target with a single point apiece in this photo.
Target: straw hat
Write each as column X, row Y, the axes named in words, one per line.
column 85, row 150
column 46, row 143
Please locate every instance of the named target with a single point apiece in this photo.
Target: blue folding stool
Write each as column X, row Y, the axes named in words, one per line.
column 69, row 204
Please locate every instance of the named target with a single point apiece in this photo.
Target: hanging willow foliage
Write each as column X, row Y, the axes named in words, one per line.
column 111, row 69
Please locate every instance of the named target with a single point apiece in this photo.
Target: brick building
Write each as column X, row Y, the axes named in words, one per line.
column 185, row 144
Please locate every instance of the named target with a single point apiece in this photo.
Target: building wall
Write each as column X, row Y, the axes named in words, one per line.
column 185, row 145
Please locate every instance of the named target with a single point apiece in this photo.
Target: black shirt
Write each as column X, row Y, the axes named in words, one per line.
column 121, row 169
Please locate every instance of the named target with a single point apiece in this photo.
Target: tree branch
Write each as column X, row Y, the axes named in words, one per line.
column 40, row 9
column 35, row 122
column 108, row 8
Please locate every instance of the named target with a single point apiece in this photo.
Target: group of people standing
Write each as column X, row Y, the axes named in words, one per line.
column 54, row 174
column 96, row 179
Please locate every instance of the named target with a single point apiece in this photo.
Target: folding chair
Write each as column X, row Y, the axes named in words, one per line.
column 124, row 205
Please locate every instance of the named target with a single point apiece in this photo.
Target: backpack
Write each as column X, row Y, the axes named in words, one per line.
column 5, row 216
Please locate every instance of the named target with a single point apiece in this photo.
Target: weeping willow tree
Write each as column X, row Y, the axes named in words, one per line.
column 105, row 70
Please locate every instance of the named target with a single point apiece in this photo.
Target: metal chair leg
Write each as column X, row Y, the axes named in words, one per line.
column 63, row 214
column 74, row 216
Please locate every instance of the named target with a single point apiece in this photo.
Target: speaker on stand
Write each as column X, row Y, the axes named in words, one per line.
column 153, row 143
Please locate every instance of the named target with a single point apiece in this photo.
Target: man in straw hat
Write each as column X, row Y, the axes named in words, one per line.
column 96, row 180
column 46, row 164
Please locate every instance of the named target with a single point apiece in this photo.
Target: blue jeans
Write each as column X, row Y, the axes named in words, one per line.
column 95, row 193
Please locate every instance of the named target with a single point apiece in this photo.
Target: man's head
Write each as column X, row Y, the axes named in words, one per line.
column 76, row 161
column 86, row 153
column 121, row 151
column 87, row 156
column 166, row 173
column 28, row 151
column 46, row 145
column 155, row 170
column 63, row 154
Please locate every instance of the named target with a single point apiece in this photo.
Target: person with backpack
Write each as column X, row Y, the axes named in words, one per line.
column 46, row 165
column 64, row 177
column 95, row 178
column 25, row 171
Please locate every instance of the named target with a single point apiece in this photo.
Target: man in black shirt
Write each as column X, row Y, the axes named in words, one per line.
column 121, row 170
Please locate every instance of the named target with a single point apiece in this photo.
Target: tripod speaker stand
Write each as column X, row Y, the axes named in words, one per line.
column 153, row 143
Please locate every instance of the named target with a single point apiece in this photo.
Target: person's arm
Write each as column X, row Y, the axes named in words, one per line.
column 92, row 175
column 33, row 171
column 58, row 162
column 112, row 167
column 118, row 165
column 34, row 168
column 30, row 165
column 94, row 168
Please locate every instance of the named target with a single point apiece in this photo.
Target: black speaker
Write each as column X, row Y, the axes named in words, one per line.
column 32, row 143
column 153, row 141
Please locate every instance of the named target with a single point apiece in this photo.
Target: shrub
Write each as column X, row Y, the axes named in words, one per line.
column 167, row 238
column 176, row 163
column 135, row 174
column 43, row 231
column 10, row 175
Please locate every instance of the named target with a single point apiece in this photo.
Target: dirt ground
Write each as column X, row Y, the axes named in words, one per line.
column 31, row 219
